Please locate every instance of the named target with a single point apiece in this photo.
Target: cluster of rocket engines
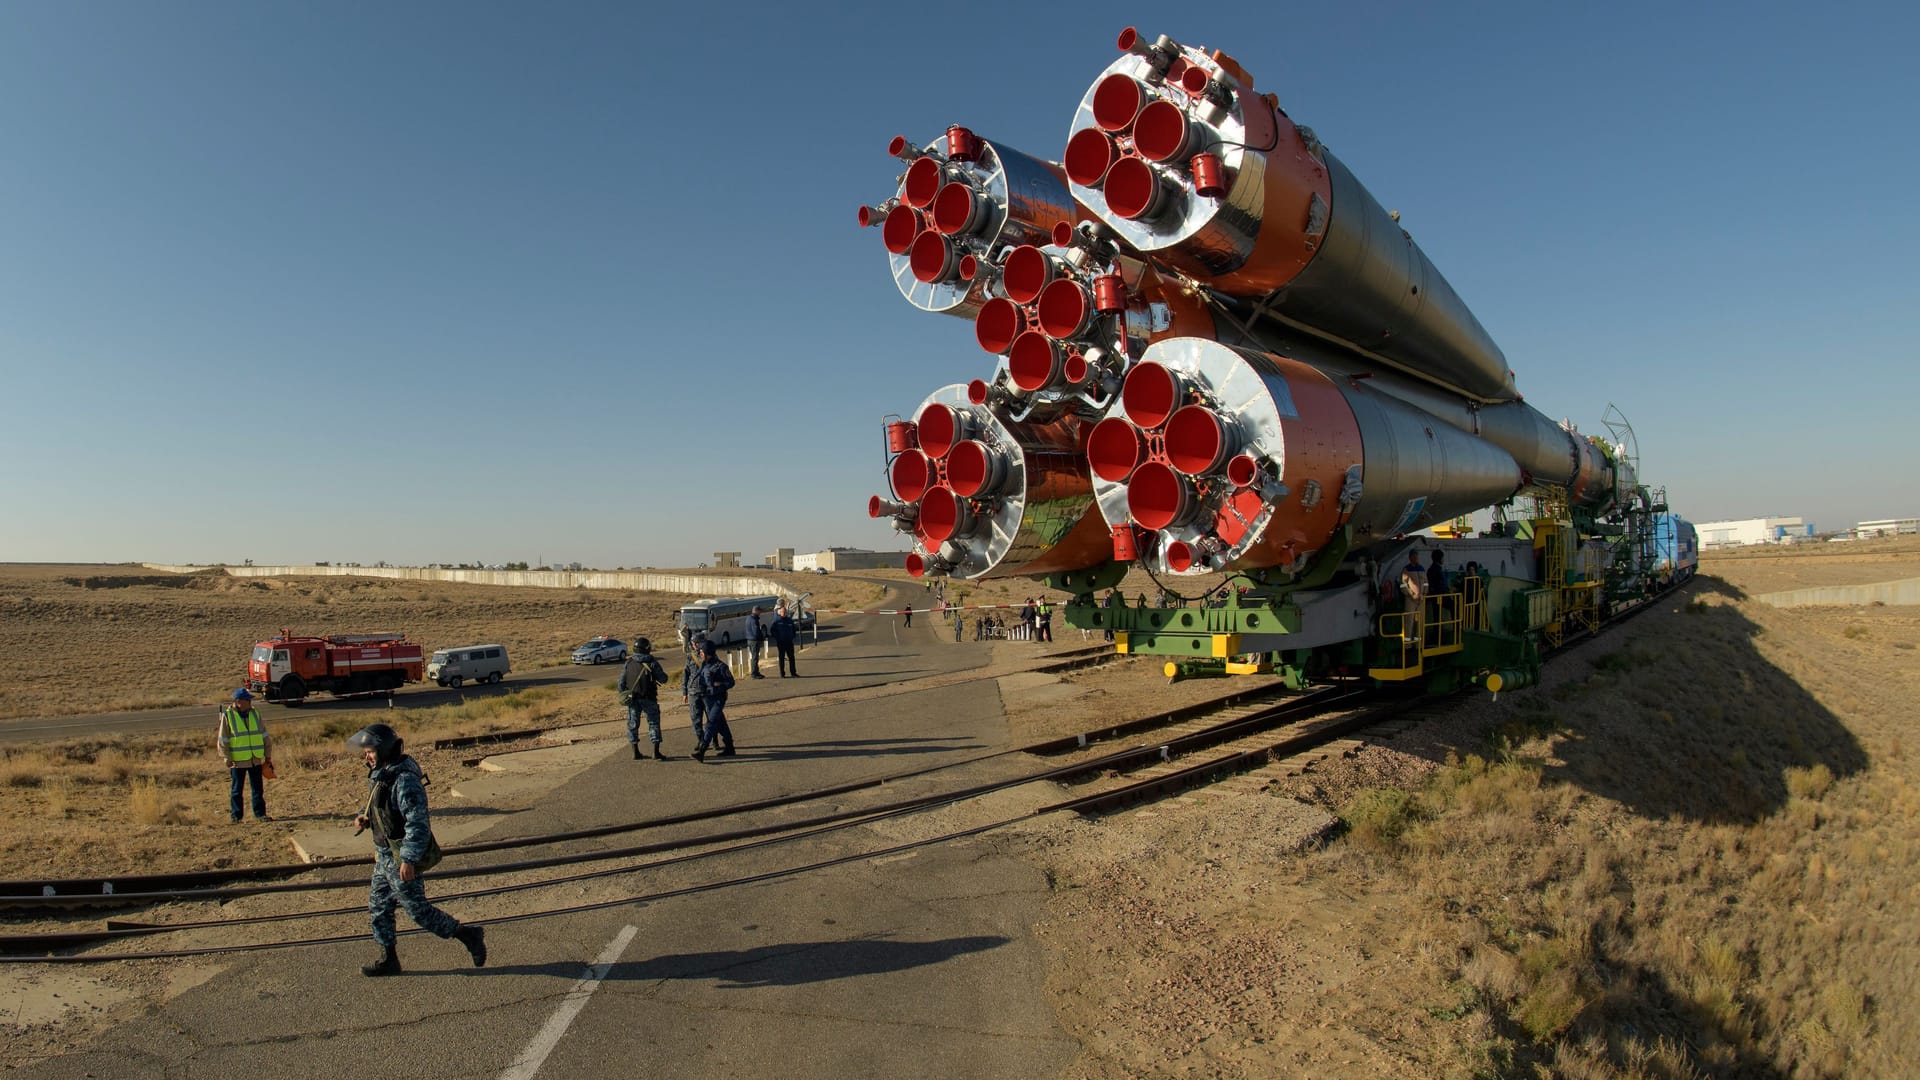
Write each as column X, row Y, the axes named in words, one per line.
column 1212, row 348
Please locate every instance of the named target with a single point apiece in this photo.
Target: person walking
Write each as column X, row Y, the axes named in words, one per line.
column 1045, row 611
column 908, row 612
column 640, row 683
column 248, row 749
column 1111, row 601
column 691, row 693
column 1028, row 618
column 756, row 640
column 403, row 850
column 784, row 632
column 715, row 679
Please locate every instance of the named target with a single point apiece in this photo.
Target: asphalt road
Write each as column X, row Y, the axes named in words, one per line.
column 921, row 964
column 419, row 696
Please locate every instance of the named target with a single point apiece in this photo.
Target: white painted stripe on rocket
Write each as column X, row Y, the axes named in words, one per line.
column 528, row 1063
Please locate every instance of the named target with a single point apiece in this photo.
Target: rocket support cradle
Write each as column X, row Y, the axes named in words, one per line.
column 1214, row 349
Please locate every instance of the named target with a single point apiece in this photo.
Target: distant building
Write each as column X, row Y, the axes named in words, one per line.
column 726, row 560
column 780, row 559
column 841, row 558
column 1887, row 527
column 1776, row 530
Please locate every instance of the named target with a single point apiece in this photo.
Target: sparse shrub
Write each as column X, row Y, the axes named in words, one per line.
column 1856, row 632
column 1378, row 817
column 22, row 769
column 54, row 797
column 1548, row 1008
column 1616, row 662
column 151, row 805
column 1811, row 783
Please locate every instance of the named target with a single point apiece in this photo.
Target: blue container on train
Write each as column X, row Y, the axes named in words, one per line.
column 1676, row 547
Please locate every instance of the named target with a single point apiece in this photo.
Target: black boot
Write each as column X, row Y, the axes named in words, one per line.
column 700, row 753
column 475, row 939
column 636, row 750
column 657, row 755
column 388, row 964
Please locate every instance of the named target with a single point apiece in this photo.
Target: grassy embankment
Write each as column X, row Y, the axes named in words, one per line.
column 1694, row 857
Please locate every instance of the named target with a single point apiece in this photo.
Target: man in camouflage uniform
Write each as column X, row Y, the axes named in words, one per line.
column 714, row 679
column 690, row 691
column 640, row 683
column 397, row 812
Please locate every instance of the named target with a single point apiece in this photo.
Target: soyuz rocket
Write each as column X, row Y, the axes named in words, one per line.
column 1212, row 348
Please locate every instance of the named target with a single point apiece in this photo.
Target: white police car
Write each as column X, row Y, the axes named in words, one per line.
column 601, row 650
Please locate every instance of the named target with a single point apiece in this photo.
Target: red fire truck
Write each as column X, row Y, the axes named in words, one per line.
column 288, row 668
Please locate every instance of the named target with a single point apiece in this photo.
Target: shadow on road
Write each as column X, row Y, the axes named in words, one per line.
column 751, row 752
column 794, row 964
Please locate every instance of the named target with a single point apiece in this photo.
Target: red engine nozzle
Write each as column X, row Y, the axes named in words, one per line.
column 1197, row 440
column 1136, row 190
column 1117, row 100
column 1157, row 497
column 933, row 258
column 944, row 515
column 1150, row 395
column 1090, row 153
column 909, row 476
column 1114, row 449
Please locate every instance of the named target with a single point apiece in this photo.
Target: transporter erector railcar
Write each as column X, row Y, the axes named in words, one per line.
column 1213, row 351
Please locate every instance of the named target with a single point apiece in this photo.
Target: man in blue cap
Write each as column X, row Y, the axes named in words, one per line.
column 247, row 748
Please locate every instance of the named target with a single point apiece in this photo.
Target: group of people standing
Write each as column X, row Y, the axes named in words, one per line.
column 704, row 683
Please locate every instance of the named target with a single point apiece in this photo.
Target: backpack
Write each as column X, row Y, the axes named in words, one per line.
column 646, row 684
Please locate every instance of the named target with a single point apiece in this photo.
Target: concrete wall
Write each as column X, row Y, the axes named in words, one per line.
column 1885, row 592
column 642, row 580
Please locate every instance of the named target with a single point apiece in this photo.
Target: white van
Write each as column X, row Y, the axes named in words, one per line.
column 469, row 663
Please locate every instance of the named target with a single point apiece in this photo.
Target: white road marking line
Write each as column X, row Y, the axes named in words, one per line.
column 528, row 1063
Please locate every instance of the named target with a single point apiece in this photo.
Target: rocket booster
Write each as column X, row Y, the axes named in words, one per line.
column 1211, row 348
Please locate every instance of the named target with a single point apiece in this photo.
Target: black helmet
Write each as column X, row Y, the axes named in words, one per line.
column 385, row 742
column 642, row 645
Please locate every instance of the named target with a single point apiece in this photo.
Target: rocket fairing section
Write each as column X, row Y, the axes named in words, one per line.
column 1212, row 348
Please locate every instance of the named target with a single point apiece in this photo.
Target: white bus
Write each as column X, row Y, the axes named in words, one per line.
column 724, row 619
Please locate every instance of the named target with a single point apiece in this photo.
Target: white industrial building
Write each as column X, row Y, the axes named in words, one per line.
column 839, row 558
column 1887, row 527
column 1773, row 530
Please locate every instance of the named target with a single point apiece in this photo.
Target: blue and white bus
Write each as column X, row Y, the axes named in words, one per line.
column 723, row 620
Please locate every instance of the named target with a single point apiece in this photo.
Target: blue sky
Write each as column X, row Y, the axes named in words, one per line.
column 433, row 282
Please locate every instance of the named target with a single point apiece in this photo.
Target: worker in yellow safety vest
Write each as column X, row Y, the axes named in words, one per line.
column 248, row 750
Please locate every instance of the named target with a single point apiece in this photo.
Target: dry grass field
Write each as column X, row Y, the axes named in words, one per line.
column 89, row 639
column 1689, row 853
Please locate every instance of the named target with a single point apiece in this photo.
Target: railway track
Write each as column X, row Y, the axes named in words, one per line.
column 1241, row 733
column 1189, row 746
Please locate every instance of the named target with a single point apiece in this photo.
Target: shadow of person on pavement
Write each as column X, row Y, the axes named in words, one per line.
column 787, row 964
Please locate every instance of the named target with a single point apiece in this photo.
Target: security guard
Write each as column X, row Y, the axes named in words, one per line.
column 714, row 679
column 691, row 691
column 397, row 812
column 640, row 682
column 247, row 748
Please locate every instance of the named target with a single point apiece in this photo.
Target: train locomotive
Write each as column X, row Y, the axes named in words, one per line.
column 1213, row 352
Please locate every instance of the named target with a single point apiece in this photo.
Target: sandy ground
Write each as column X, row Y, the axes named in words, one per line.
column 1684, row 854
